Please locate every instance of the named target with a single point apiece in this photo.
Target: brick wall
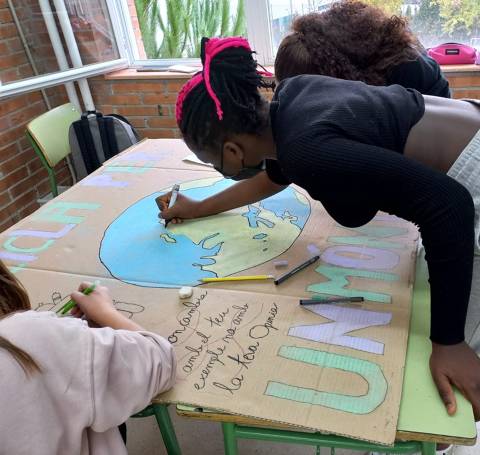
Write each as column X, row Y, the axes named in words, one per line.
column 22, row 177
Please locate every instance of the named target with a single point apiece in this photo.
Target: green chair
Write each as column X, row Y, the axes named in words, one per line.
column 48, row 135
column 160, row 411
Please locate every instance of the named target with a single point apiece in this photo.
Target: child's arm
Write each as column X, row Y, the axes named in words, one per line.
column 242, row 193
column 128, row 366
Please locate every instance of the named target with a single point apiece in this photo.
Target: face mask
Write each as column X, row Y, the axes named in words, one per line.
column 246, row 172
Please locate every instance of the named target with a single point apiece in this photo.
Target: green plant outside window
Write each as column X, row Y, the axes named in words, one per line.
column 174, row 28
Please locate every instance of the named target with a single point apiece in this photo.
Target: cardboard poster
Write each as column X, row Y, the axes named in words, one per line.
column 244, row 348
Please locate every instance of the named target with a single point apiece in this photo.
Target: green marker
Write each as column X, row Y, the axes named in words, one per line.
column 71, row 303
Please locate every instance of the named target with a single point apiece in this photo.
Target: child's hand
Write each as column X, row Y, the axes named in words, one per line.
column 456, row 365
column 184, row 208
column 97, row 307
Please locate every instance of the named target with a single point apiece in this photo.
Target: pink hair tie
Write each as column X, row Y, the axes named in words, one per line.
column 212, row 48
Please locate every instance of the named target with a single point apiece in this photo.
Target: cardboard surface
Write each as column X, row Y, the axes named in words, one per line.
column 159, row 153
column 248, row 347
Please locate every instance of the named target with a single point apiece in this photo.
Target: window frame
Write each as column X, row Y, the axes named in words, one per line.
column 73, row 74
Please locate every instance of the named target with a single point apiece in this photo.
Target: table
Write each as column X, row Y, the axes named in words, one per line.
column 420, row 400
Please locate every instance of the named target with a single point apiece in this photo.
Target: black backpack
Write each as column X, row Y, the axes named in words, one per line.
column 96, row 138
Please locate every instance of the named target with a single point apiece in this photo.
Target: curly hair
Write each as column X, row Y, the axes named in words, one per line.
column 352, row 40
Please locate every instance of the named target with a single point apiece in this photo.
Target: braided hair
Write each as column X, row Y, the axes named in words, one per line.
column 224, row 99
column 351, row 40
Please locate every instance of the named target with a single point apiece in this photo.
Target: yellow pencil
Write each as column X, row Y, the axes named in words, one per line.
column 238, row 278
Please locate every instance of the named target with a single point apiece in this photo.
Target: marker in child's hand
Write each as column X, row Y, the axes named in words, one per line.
column 173, row 199
column 71, row 303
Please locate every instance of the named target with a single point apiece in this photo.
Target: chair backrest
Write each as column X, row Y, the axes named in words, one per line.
column 50, row 132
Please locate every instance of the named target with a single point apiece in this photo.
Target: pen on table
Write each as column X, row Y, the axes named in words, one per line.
column 173, row 199
column 71, row 303
column 333, row 300
column 237, row 278
column 287, row 275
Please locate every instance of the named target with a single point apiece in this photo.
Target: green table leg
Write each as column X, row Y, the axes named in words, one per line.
column 229, row 438
column 428, row 448
column 166, row 428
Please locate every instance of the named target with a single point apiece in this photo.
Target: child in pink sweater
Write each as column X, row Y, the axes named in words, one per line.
column 65, row 387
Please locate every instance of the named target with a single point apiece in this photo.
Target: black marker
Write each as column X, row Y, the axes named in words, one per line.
column 296, row 269
column 334, row 300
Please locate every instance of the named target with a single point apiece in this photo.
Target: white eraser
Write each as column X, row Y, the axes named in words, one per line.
column 280, row 263
column 185, row 292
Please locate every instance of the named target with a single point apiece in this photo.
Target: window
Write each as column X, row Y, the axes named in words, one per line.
column 433, row 21
column 171, row 29
column 46, row 43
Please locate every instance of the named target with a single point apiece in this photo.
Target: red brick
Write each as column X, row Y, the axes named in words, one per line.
column 16, row 161
column 14, row 207
column 152, row 99
column 35, row 165
column 137, row 122
column 7, row 153
column 7, row 31
column 6, row 220
column 138, row 87
column 25, row 71
column 29, row 209
column 13, row 60
column 23, row 116
column 136, row 110
column 157, row 133
column 13, row 104
column 40, row 174
column 160, row 98
column 4, row 125
column 9, row 75
column 162, row 122
column 123, row 99
column 43, row 188
column 460, row 93
column 34, row 96
column 15, row 45
column 175, row 86
column 22, row 187
column 3, row 48
column 464, row 81
column 11, row 135
column 5, row 16
column 5, row 198
column 11, row 179
column 24, row 144
column 64, row 177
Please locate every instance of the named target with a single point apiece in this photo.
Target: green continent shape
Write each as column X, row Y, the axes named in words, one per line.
column 167, row 238
column 239, row 251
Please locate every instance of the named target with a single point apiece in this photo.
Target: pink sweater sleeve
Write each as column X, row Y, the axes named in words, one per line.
column 128, row 369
